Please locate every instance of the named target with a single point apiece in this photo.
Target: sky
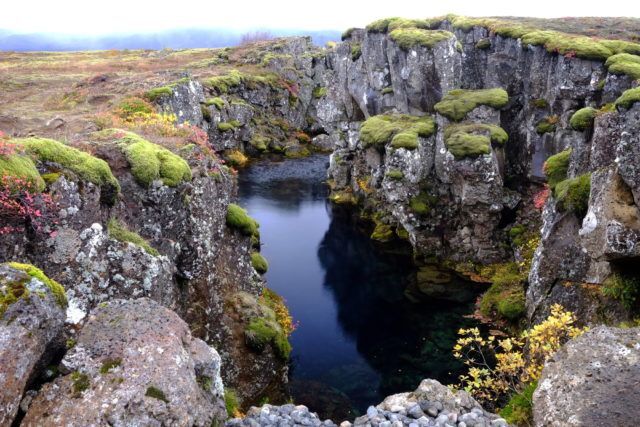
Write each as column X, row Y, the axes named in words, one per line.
column 136, row 16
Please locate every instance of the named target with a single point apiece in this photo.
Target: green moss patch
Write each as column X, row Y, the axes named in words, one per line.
column 259, row 262
column 56, row 288
column 319, row 92
column 234, row 78
column 159, row 92
column 79, row 383
column 624, row 288
column 624, row 63
column 379, row 130
column 217, row 101
column 556, row 167
column 506, row 296
column 239, row 219
column 119, row 231
column 150, row 162
column 474, row 139
column 483, row 44
column 394, row 174
column 583, row 118
column 408, row 38
column 382, row 232
column 573, row 194
column 390, row 24
column 231, row 401
column 156, row 393
column 628, row 98
column 547, row 125
column 84, row 165
column 261, row 332
column 21, row 167
column 10, row 293
column 459, row 102
column 519, row 409
column 110, row 364
column 422, row 203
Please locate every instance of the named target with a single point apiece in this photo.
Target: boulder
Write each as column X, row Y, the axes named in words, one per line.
column 592, row 381
column 32, row 313
column 134, row 363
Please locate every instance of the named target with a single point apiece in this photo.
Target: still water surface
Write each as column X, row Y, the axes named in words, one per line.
column 359, row 338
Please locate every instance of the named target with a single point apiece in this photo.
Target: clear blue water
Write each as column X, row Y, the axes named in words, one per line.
column 359, row 338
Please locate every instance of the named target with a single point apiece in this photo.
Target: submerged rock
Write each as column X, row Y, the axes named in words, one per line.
column 592, row 381
column 134, row 363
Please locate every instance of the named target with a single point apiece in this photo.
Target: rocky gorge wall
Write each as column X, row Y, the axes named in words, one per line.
column 458, row 207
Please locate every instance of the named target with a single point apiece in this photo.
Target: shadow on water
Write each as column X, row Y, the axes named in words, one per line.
column 359, row 337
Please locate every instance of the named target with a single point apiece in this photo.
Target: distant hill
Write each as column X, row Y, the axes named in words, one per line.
column 175, row 39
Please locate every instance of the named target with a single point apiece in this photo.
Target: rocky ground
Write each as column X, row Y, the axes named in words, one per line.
column 134, row 263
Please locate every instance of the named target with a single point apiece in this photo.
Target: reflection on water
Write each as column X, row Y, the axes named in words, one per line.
column 359, row 337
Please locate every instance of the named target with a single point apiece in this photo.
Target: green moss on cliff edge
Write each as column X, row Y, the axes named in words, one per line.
column 379, row 130
column 456, row 104
column 239, row 219
column 56, row 288
column 474, row 139
column 119, row 231
column 408, row 38
column 628, row 98
column 583, row 118
column 573, row 194
column 556, row 167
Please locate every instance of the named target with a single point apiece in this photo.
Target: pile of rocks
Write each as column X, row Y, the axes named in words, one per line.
column 431, row 404
column 285, row 415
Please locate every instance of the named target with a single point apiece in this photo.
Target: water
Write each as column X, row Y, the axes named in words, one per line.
column 359, row 337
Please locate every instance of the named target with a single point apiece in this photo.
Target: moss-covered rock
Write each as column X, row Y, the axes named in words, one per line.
column 409, row 38
column 159, row 92
column 483, row 44
column 259, row 262
column 422, row 203
column 239, row 219
column 394, row 174
column 456, row 104
column 119, row 231
column 628, row 98
column 473, row 139
column 556, row 167
column 150, row 162
column 583, row 118
column 379, row 130
column 547, row 125
column 356, row 51
column 505, row 297
column 217, row 101
column 56, row 288
column 84, row 165
column 519, row 409
column 624, row 63
column 573, row 194
column 382, row 232
column 20, row 166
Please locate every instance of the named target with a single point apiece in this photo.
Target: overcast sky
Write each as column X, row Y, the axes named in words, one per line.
column 111, row 16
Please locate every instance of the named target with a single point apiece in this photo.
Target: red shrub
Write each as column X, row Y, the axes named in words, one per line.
column 540, row 198
column 22, row 207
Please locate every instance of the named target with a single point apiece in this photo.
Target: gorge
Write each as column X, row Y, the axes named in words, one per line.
column 418, row 178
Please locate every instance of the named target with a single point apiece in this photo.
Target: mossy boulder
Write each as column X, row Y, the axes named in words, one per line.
column 379, row 130
column 456, row 104
column 239, row 219
column 573, row 194
column 149, row 161
column 11, row 292
column 259, row 262
column 628, row 98
column 84, row 165
column 583, row 118
column 473, row 140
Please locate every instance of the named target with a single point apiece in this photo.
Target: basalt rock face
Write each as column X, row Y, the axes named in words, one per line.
column 473, row 201
column 29, row 330
column 592, row 381
column 201, row 262
column 107, row 378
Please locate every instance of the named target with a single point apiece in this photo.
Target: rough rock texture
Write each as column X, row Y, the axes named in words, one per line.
column 202, row 262
column 28, row 331
column 472, row 201
column 134, row 363
column 592, row 381
column 431, row 404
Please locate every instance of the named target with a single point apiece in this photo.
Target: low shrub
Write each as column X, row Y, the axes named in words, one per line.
column 356, row 51
column 231, row 402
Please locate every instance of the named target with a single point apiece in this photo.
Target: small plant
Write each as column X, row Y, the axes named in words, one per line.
column 356, row 51
column 540, row 103
column 547, row 125
column 23, row 207
column 394, row 174
column 623, row 288
column 80, row 383
column 519, row 409
column 110, row 364
column 119, row 231
column 156, row 393
column 498, row 368
column 319, row 92
column 232, row 403
column 483, row 44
